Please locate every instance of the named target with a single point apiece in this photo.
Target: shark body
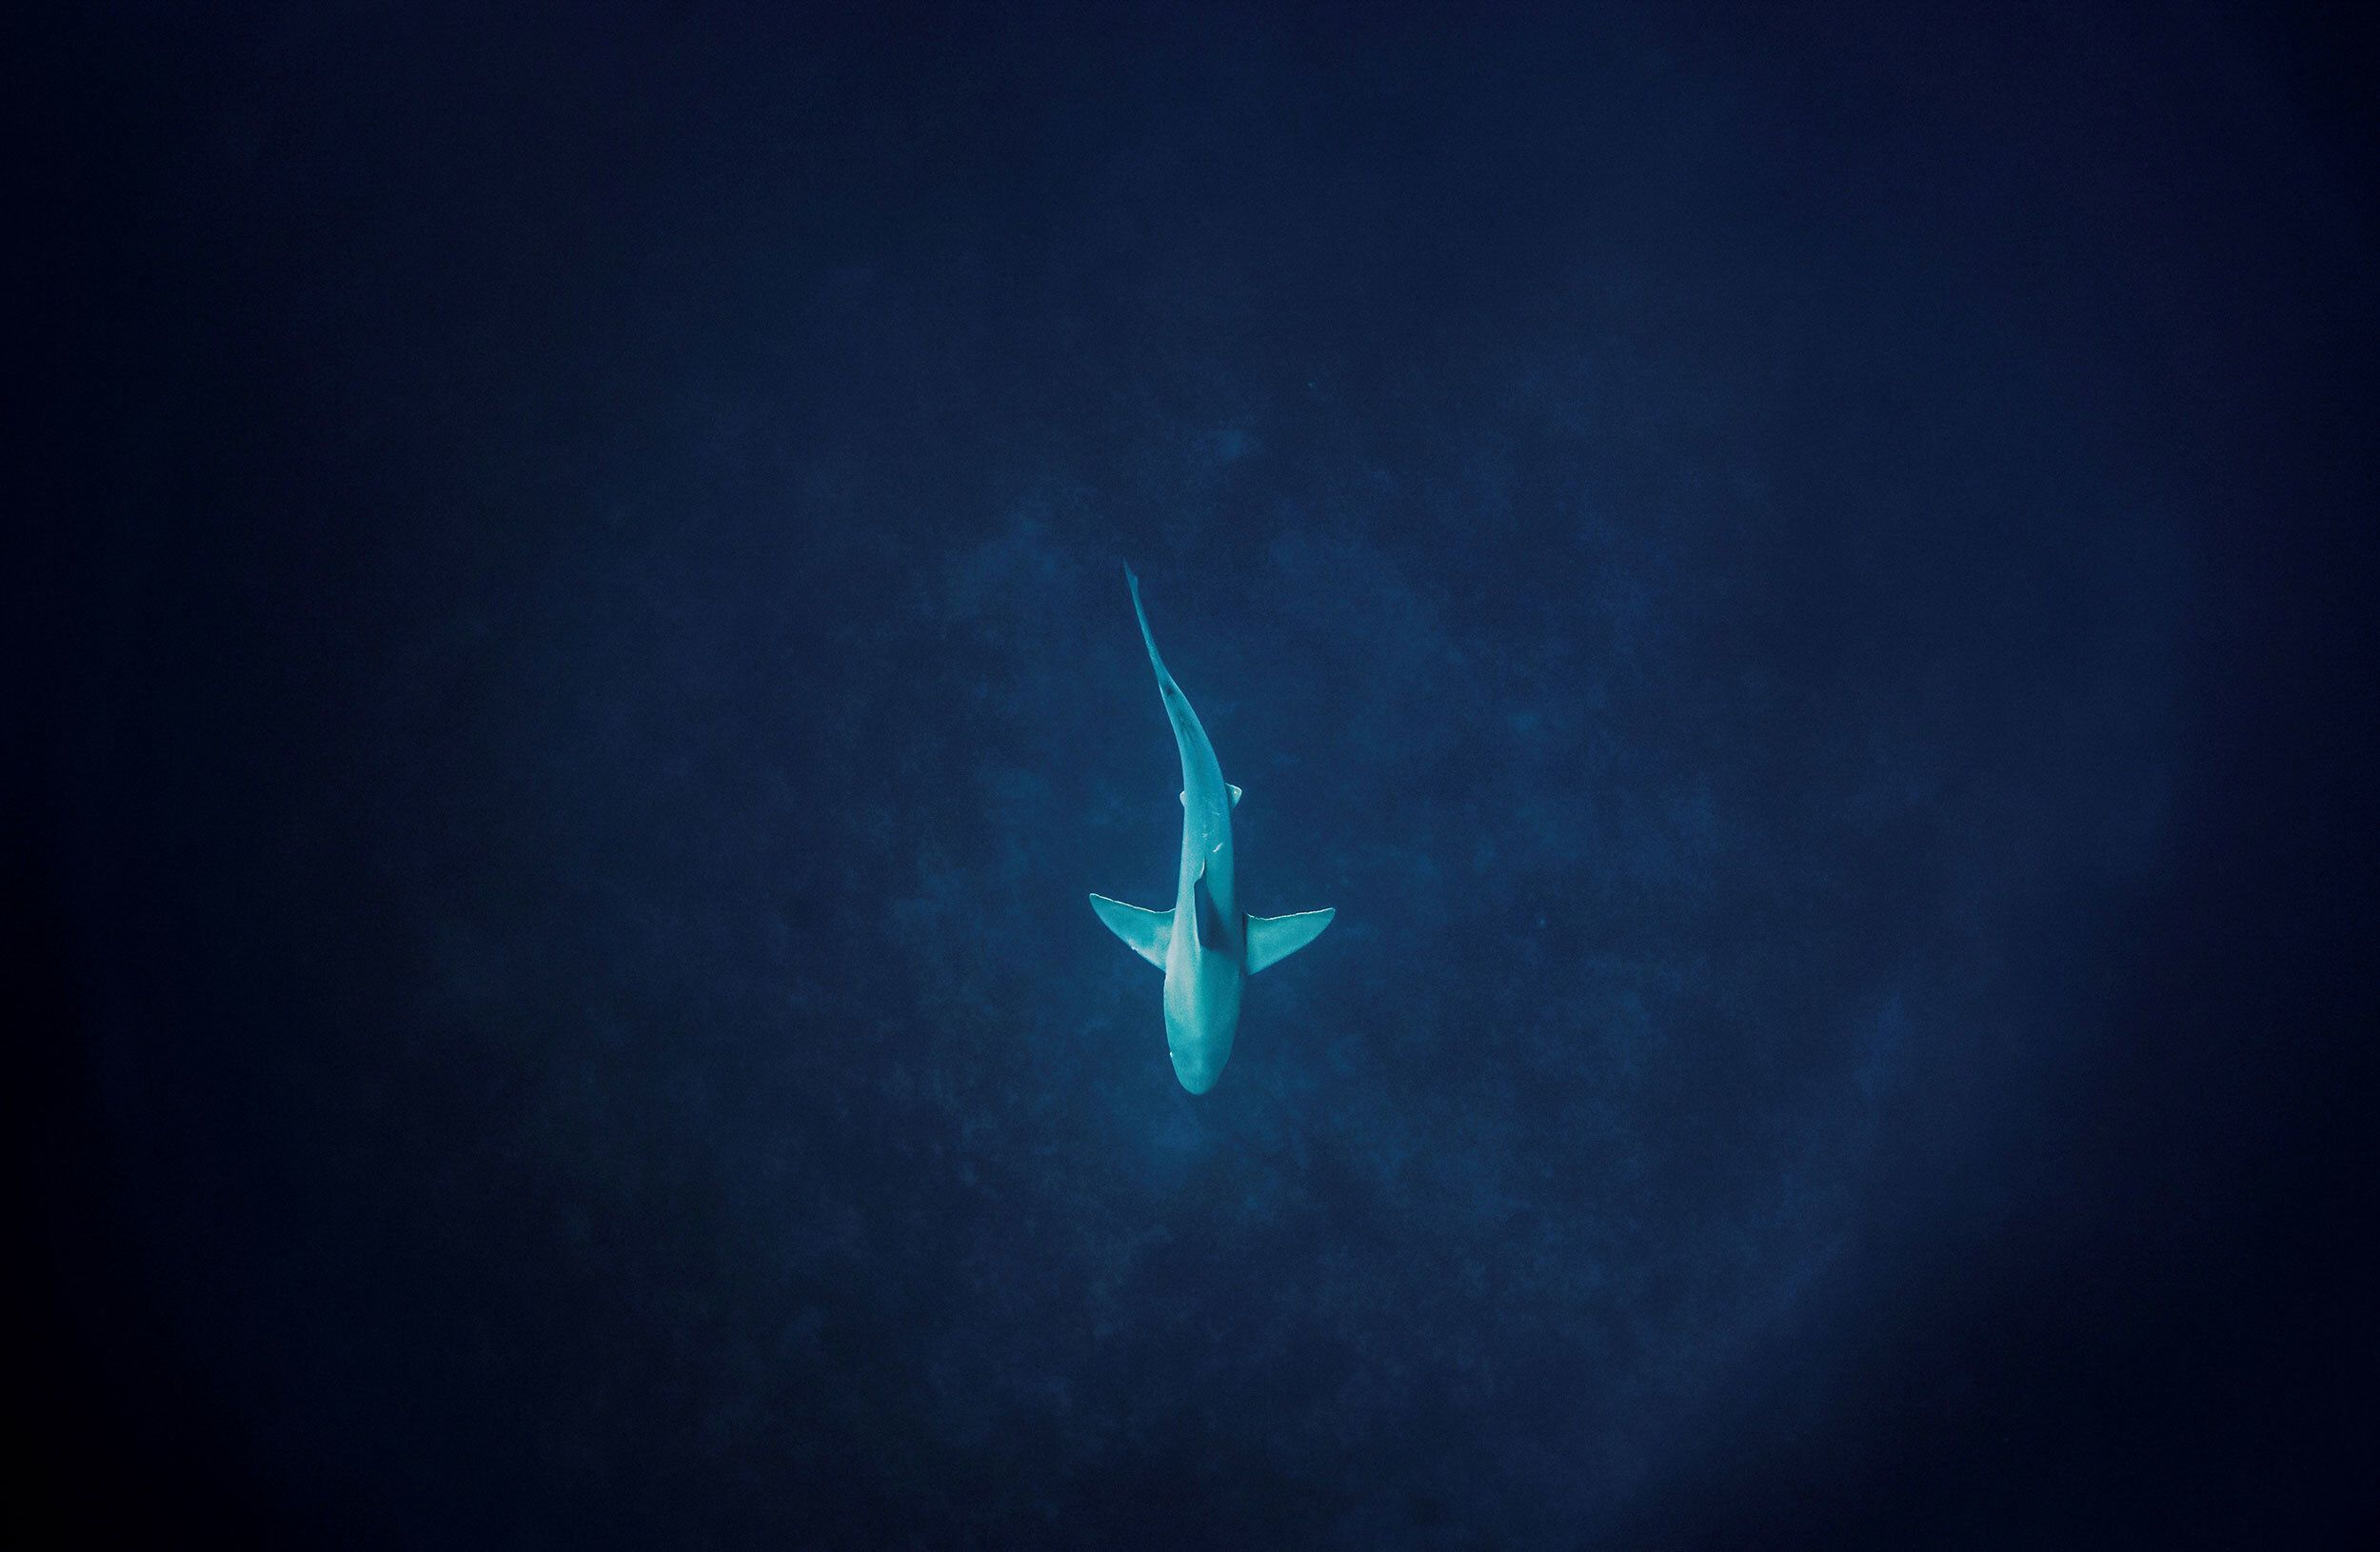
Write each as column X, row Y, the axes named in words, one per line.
column 1205, row 946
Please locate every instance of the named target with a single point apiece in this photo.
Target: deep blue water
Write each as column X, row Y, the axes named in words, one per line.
column 1801, row 583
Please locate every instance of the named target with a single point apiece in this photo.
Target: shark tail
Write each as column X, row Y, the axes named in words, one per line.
column 1164, row 678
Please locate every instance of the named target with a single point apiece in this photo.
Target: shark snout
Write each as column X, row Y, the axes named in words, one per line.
column 1197, row 1070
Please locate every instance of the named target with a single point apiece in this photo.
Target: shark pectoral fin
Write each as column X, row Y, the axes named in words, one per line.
column 1272, row 938
column 1145, row 932
column 1210, row 916
column 1183, row 798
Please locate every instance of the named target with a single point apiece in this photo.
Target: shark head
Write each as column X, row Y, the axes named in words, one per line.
column 1200, row 1022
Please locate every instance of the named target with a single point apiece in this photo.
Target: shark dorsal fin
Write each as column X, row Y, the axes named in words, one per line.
column 1210, row 919
column 1183, row 798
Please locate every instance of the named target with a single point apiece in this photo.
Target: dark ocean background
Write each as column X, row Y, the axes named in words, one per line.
column 1800, row 576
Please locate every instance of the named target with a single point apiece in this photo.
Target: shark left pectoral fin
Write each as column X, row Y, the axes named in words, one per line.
column 1146, row 932
column 1272, row 938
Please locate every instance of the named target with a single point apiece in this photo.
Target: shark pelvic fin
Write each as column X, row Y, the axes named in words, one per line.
column 1183, row 798
column 1272, row 938
column 1145, row 932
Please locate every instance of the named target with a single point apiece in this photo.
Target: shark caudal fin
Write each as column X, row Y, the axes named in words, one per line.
column 1145, row 932
column 1272, row 938
column 1164, row 679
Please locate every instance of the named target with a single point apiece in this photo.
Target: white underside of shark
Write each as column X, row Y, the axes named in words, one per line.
column 1205, row 946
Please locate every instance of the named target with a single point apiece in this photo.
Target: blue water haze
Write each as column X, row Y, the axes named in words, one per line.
column 1798, row 581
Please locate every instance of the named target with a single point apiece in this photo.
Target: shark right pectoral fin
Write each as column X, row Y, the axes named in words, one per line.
column 1145, row 932
column 1272, row 938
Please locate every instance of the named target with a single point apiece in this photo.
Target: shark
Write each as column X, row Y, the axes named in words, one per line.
column 1205, row 945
